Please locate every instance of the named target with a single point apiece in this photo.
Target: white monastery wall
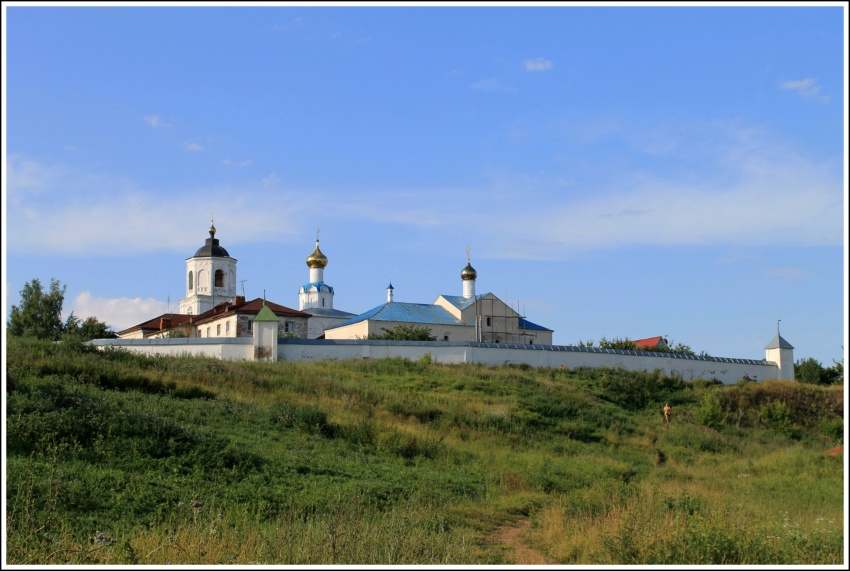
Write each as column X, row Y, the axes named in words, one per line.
column 728, row 371
column 227, row 349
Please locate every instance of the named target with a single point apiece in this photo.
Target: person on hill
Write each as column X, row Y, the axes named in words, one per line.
column 667, row 413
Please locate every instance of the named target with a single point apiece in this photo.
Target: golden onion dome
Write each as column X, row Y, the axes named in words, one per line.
column 468, row 273
column 317, row 259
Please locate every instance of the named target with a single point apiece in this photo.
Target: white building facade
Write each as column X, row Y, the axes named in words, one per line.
column 317, row 298
column 468, row 317
column 210, row 277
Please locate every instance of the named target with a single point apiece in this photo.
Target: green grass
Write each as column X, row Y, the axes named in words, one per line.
column 395, row 462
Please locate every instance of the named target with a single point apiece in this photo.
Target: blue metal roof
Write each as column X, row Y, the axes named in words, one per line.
column 324, row 312
column 318, row 285
column 459, row 301
column 526, row 324
column 423, row 313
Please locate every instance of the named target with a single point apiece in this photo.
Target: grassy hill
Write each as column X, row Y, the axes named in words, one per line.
column 119, row 459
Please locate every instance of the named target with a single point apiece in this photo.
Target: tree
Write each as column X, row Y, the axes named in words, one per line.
column 811, row 371
column 404, row 332
column 90, row 328
column 617, row 343
column 39, row 314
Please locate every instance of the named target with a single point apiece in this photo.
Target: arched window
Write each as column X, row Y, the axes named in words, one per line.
column 191, row 281
column 227, row 327
column 219, row 278
column 218, row 330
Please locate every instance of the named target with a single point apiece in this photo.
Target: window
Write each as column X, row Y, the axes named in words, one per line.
column 488, row 322
column 200, row 332
column 218, row 330
column 250, row 325
column 445, row 337
column 191, row 280
column 208, row 331
column 288, row 327
column 227, row 327
column 219, row 278
column 323, row 302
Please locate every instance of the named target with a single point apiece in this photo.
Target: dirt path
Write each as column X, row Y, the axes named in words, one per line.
column 519, row 552
column 838, row 450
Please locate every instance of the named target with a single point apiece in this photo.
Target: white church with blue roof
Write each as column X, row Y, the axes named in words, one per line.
column 317, row 298
column 467, row 317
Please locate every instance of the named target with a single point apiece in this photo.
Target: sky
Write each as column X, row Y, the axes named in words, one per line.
column 616, row 171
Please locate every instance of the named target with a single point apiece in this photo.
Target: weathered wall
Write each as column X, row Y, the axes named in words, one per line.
column 726, row 370
column 689, row 368
column 228, row 349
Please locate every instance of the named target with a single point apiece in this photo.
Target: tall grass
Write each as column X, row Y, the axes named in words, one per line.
column 388, row 461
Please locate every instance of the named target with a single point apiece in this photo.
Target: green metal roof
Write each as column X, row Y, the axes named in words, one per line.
column 265, row 314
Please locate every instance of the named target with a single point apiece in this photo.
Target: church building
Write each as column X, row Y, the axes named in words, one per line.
column 211, row 307
column 317, row 298
column 467, row 317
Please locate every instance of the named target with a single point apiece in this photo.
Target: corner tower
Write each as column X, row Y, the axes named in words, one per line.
column 781, row 352
column 210, row 277
column 316, row 293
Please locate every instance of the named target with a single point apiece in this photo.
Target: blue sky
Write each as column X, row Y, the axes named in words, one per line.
column 618, row 171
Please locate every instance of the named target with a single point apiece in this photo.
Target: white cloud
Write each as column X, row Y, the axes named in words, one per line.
column 271, row 180
column 245, row 163
column 57, row 211
column 193, row 147
column 722, row 185
column 153, row 120
column 119, row 313
column 26, row 177
column 806, row 88
column 493, row 85
column 539, row 64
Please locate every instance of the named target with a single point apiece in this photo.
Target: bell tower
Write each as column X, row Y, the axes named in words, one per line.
column 316, row 294
column 210, row 277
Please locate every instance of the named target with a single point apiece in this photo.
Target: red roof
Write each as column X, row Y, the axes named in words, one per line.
column 248, row 307
column 171, row 320
column 164, row 321
column 650, row 342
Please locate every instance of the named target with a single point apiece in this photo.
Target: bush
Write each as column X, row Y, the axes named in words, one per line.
column 811, row 371
column 834, row 428
column 709, row 412
column 777, row 416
